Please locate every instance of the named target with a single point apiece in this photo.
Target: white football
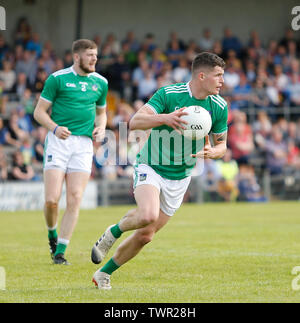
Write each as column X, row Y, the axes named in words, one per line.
column 199, row 122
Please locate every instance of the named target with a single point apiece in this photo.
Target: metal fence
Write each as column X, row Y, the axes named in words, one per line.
column 273, row 188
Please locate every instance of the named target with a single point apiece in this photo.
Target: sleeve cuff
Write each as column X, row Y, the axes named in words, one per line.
column 46, row 99
column 151, row 107
column 101, row 106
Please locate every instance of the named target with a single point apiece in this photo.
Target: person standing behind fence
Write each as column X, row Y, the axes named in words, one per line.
column 76, row 95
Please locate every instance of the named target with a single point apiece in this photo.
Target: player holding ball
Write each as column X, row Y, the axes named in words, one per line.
column 163, row 167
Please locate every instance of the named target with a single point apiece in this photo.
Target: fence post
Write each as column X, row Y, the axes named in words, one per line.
column 199, row 190
column 103, row 193
column 267, row 184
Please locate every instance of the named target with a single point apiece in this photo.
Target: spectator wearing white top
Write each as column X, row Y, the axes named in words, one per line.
column 8, row 76
column 206, row 43
column 147, row 86
column 181, row 73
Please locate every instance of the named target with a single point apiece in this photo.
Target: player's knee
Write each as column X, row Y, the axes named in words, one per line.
column 147, row 215
column 51, row 204
column 74, row 197
column 148, row 218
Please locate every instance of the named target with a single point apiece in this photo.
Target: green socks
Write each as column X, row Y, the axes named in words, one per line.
column 110, row 267
column 52, row 234
column 61, row 246
column 116, row 231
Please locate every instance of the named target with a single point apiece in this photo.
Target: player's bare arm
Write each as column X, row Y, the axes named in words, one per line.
column 216, row 151
column 101, row 120
column 42, row 117
column 145, row 119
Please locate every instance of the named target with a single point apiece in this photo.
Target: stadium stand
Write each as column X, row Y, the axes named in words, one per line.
column 262, row 88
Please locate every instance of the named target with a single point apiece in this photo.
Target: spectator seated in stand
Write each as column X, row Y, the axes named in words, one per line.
column 228, row 169
column 25, row 121
column 3, row 165
column 249, row 189
column 276, row 150
column 27, row 151
column 5, row 136
column 210, row 176
column 259, row 96
column 8, row 76
column 241, row 94
column 240, row 138
column 21, row 171
column 263, row 77
column 230, row 41
column 39, row 142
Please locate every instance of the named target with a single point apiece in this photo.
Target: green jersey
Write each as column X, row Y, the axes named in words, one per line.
column 74, row 99
column 168, row 152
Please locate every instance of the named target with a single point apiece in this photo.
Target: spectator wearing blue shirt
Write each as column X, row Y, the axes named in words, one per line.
column 241, row 94
column 34, row 44
column 231, row 42
column 24, row 121
column 3, row 133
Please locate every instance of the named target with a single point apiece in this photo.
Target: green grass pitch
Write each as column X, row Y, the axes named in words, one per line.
column 206, row 253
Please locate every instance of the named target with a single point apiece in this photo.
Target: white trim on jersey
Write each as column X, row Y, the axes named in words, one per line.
column 62, row 72
column 151, row 107
column 99, row 76
column 182, row 91
column 220, row 99
column 73, row 71
column 175, row 87
column 189, row 89
column 46, row 99
column 218, row 102
column 101, row 106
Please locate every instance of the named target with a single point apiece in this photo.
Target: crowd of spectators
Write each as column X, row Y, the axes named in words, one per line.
column 261, row 76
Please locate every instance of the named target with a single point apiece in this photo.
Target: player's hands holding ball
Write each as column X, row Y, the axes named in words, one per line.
column 174, row 120
column 62, row 133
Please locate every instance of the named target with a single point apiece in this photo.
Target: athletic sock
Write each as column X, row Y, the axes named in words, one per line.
column 110, row 267
column 116, row 231
column 61, row 246
column 52, row 234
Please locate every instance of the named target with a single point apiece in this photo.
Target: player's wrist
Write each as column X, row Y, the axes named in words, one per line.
column 163, row 119
column 55, row 129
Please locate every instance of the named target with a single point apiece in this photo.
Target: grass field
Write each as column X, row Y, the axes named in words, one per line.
column 206, row 253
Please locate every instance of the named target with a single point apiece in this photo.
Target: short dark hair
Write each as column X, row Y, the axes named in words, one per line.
column 207, row 59
column 83, row 44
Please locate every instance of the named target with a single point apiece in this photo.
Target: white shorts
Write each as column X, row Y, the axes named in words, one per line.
column 171, row 191
column 75, row 154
